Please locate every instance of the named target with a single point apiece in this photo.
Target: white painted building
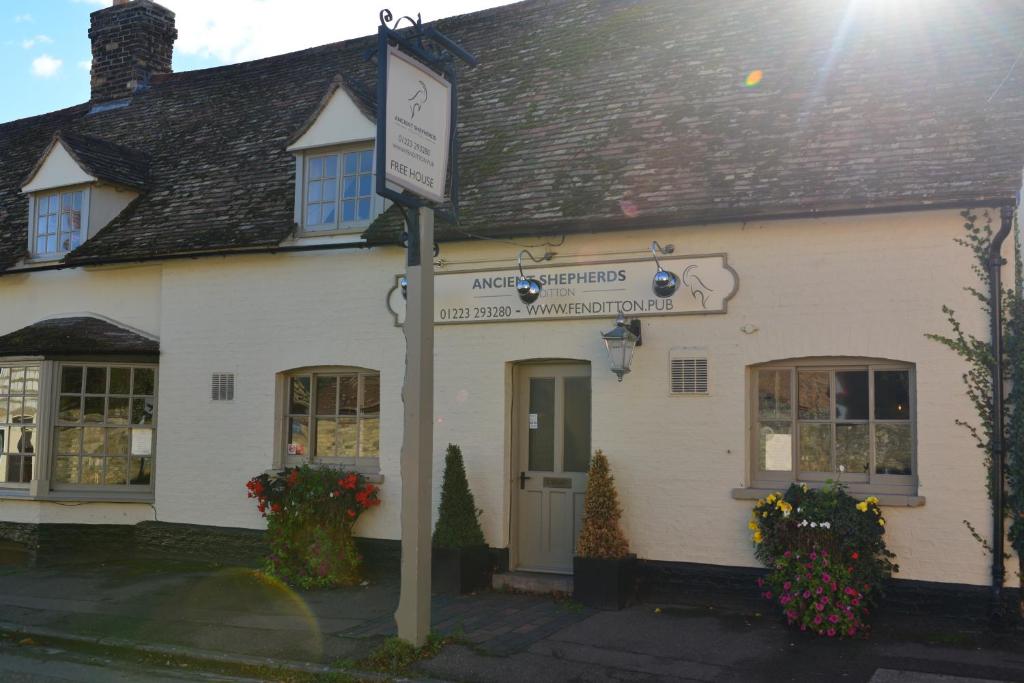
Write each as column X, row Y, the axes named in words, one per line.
column 822, row 251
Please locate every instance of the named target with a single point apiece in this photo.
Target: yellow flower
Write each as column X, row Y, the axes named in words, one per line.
column 752, row 525
column 771, row 498
column 760, row 502
column 764, row 514
column 862, row 506
column 881, row 521
column 804, row 487
column 785, row 507
column 872, row 500
column 757, row 536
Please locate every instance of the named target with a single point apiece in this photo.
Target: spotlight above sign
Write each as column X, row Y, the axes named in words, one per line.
column 597, row 289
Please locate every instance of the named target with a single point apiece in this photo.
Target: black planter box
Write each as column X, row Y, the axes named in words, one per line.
column 604, row 584
column 460, row 571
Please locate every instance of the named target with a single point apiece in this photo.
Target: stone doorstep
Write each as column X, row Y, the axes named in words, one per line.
column 533, row 582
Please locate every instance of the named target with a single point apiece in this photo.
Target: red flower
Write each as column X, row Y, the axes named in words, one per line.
column 855, row 556
column 292, row 478
column 350, row 482
column 275, row 507
column 351, row 514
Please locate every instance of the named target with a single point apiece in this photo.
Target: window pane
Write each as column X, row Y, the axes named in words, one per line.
column 144, row 383
column 65, row 470
column 371, row 395
column 298, row 436
column 330, row 190
column 76, row 203
column 70, row 409
column 893, row 449
column 773, row 393
column 347, row 437
column 92, row 470
column 330, row 214
column 365, row 185
column 892, row 395
column 40, row 245
column 94, row 409
column 853, row 447
column 316, row 167
column 23, row 440
column 54, row 203
column 4, row 413
column 313, row 214
column 119, row 441
column 369, row 438
column 815, row 448
column 364, row 209
column 142, row 411
column 852, row 395
column 69, row 440
column 366, row 161
column 314, row 191
column 71, row 380
column 351, row 163
column 117, row 471
column 813, row 395
column 775, row 446
column 326, row 396
column 299, row 393
column 51, row 245
column 140, row 470
column 29, row 409
column 542, row 425
column 576, row 431
column 95, row 380
column 65, row 200
column 117, row 411
column 326, row 437
column 348, row 211
column 349, row 399
column 331, row 166
column 121, row 381
column 41, row 206
column 93, row 442
column 348, row 188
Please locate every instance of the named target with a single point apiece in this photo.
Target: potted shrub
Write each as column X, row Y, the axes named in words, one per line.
column 826, row 557
column 603, row 568
column 310, row 513
column 461, row 561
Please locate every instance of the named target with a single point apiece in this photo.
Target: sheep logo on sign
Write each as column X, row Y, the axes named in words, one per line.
column 418, row 99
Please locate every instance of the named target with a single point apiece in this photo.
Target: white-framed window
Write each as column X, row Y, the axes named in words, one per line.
column 19, row 421
column 332, row 415
column 338, row 190
column 850, row 420
column 105, row 427
column 58, row 222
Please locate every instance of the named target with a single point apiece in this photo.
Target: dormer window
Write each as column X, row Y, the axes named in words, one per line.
column 59, row 224
column 336, row 200
column 334, row 169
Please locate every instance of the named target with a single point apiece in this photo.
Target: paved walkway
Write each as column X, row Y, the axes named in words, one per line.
column 234, row 614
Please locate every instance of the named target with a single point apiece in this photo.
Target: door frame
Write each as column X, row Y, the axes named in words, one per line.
column 512, row 455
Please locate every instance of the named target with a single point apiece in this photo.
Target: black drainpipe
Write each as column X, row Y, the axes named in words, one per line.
column 995, row 265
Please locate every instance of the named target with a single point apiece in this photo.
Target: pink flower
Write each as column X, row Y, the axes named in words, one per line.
column 833, row 618
column 852, row 631
column 807, row 594
column 819, row 590
column 819, row 606
column 813, row 555
column 788, row 554
column 787, row 585
column 760, row 583
column 826, row 578
column 831, row 633
column 855, row 602
column 817, row 619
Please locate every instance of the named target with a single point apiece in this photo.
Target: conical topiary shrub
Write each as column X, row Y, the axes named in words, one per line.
column 601, row 536
column 461, row 561
column 603, row 568
column 457, row 522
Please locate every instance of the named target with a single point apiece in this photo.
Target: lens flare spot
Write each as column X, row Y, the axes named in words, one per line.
column 440, row 420
column 753, row 78
column 629, row 208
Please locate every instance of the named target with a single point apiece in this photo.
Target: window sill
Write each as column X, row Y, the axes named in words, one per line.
column 884, row 499
column 76, row 497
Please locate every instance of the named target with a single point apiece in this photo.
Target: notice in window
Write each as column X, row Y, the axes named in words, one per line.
column 142, row 442
column 778, row 452
column 534, row 421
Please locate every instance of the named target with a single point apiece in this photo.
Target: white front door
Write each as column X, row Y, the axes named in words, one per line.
column 551, row 422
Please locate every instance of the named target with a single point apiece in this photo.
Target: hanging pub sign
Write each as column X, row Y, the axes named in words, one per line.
column 418, row 119
column 598, row 289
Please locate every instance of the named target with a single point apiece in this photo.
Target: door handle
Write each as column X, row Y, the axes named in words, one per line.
column 522, row 480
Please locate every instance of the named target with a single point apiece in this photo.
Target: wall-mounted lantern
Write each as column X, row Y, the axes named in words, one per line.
column 665, row 282
column 403, row 282
column 621, row 342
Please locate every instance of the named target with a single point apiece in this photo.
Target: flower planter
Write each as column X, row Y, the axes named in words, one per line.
column 604, row 584
column 462, row 570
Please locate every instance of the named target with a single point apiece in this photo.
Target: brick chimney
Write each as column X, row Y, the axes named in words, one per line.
column 131, row 41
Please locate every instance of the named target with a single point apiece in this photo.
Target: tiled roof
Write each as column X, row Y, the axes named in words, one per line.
column 71, row 336
column 597, row 114
column 107, row 161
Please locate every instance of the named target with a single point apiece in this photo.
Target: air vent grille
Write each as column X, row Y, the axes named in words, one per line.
column 689, row 375
column 222, row 386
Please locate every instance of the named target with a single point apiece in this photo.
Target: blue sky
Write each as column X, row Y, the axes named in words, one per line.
column 45, row 51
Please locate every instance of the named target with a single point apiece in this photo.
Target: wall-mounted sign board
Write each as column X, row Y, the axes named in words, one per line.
column 417, row 127
column 599, row 289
